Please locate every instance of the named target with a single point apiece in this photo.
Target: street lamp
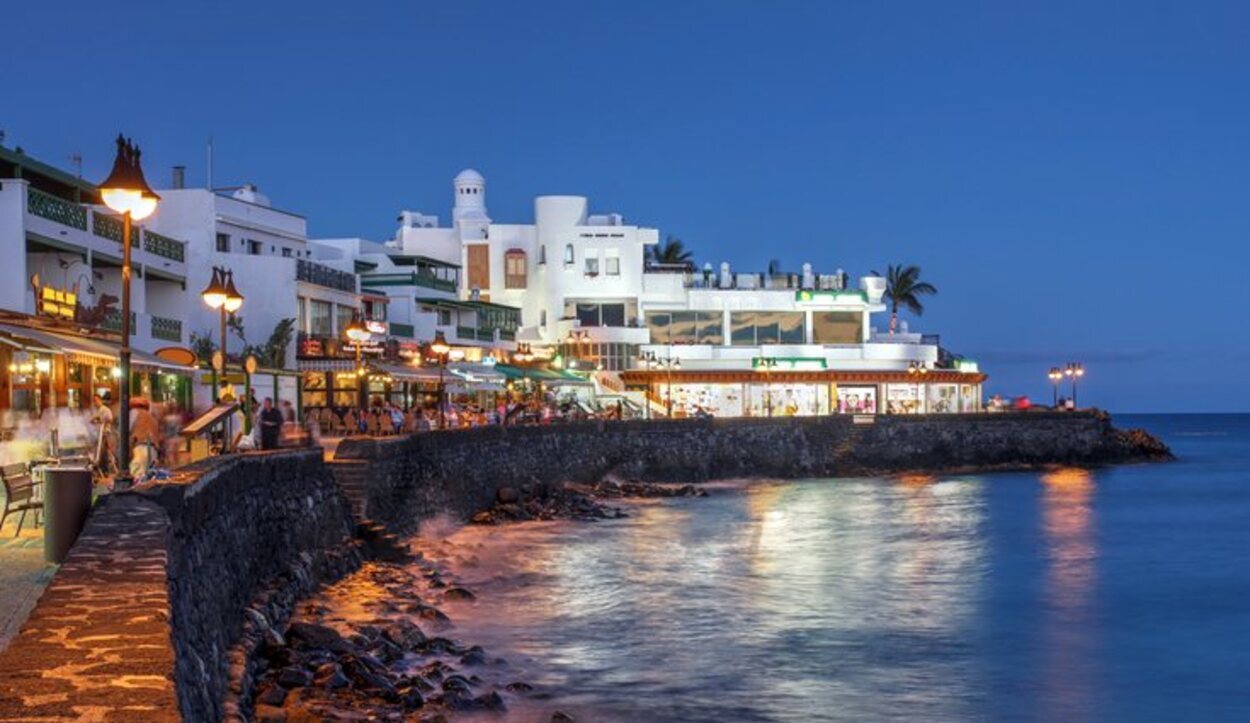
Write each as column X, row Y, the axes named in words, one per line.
column 1074, row 371
column 126, row 191
column 441, row 349
column 358, row 333
column 221, row 294
column 768, row 364
column 668, row 363
column 1056, row 376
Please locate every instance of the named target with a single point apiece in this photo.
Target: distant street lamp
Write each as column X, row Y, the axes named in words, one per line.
column 126, row 192
column 221, row 294
column 1074, row 371
column 667, row 363
column 1056, row 376
column 441, row 349
column 358, row 333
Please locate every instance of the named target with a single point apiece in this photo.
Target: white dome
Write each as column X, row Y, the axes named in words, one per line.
column 469, row 175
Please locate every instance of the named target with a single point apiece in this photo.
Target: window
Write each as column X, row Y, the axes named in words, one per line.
column 612, row 266
column 286, row 252
column 568, row 254
column 301, row 308
column 542, row 317
column 444, row 317
column 223, row 243
column 752, row 328
column 514, row 269
column 542, row 254
column 685, row 327
column 319, row 318
column 592, row 265
column 253, row 247
column 344, row 317
column 837, row 327
column 591, row 314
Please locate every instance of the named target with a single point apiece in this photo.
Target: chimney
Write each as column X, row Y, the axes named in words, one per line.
column 180, row 177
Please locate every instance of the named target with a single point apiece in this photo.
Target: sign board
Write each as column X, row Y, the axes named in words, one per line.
column 250, row 364
column 219, row 361
column 177, row 355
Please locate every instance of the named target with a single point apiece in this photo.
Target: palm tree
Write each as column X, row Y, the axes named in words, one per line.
column 904, row 288
column 672, row 251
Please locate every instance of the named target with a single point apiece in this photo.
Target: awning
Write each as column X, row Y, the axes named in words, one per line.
column 408, row 373
column 85, row 350
column 325, row 365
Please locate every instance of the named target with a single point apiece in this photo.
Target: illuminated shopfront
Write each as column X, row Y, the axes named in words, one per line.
column 794, row 392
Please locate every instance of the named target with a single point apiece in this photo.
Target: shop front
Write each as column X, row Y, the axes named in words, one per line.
column 807, row 393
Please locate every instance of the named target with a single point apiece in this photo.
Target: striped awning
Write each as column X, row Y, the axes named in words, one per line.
column 84, row 350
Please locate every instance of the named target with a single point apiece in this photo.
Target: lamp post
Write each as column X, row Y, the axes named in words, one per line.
column 126, row 192
column 1074, row 371
column 221, row 294
column 1056, row 376
column 668, row 363
column 358, row 333
column 768, row 364
column 441, row 349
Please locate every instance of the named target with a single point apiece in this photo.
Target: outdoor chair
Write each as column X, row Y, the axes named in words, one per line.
column 373, row 426
column 19, row 494
column 349, row 421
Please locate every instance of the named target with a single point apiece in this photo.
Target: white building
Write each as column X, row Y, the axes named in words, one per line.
column 728, row 343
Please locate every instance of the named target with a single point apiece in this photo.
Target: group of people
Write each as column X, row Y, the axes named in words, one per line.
column 153, row 435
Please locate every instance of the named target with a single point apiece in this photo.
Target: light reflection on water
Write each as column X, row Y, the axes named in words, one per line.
column 781, row 602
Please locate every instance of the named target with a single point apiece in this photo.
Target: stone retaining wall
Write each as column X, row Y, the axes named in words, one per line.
column 155, row 610
column 459, row 472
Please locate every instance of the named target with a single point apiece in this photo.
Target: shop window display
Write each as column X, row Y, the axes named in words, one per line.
column 904, row 399
column 943, row 398
column 857, row 400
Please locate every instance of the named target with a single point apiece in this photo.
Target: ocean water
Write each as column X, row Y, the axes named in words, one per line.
column 1116, row 594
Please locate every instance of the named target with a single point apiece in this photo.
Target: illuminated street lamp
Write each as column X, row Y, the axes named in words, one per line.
column 221, row 295
column 126, row 191
column 358, row 333
column 1074, row 371
column 1056, row 376
column 668, row 363
column 441, row 349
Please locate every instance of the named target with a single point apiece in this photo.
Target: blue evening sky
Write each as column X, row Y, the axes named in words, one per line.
column 1071, row 175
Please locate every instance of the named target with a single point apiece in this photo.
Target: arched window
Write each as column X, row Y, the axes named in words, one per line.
column 568, row 254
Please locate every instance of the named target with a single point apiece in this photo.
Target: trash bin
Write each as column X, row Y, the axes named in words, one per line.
column 66, row 502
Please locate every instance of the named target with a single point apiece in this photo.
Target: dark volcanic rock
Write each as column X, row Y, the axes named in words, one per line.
column 458, row 593
column 311, row 635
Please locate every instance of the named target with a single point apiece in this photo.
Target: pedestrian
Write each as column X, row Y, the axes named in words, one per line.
column 145, row 438
column 103, row 418
column 270, row 424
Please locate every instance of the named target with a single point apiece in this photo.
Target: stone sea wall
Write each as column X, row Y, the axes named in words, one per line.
column 156, row 609
column 410, row 479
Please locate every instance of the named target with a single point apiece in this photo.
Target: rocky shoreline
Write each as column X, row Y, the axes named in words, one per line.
column 389, row 657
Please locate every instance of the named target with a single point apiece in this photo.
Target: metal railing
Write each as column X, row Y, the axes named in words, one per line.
column 433, row 282
column 315, row 273
column 45, row 205
column 164, row 246
column 407, row 331
column 167, row 329
column 113, row 322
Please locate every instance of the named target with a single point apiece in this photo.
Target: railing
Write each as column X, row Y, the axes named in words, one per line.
column 111, row 228
column 113, row 322
column 407, row 331
column 45, row 205
column 507, row 335
column 315, row 273
column 433, row 282
column 466, row 332
column 166, row 329
column 164, row 246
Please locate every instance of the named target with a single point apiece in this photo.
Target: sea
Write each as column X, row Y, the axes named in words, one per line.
column 1115, row 594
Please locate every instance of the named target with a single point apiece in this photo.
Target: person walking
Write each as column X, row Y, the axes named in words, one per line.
column 145, row 438
column 270, row 424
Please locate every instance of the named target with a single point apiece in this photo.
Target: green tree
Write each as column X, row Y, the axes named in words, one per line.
column 672, row 251
column 903, row 288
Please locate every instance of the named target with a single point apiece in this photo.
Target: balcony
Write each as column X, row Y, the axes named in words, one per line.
column 314, row 273
column 68, row 215
column 408, row 331
column 167, row 329
column 113, row 322
column 433, row 282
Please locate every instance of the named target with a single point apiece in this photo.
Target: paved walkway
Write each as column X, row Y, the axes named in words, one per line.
column 23, row 573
